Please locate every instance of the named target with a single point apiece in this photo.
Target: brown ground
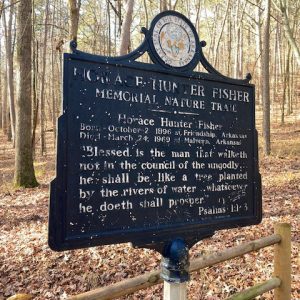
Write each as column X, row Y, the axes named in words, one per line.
column 27, row 265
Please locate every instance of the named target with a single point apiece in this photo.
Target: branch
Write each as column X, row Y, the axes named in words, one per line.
column 276, row 6
column 174, row 6
column 114, row 9
column 251, row 18
column 243, row 11
column 262, row 9
column 254, row 4
column 2, row 7
column 53, row 25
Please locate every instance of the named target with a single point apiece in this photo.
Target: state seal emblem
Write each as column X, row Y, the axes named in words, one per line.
column 174, row 41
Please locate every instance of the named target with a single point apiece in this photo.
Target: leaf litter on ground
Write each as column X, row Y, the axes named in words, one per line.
column 27, row 265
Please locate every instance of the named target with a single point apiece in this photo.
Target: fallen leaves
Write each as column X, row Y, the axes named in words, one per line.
column 29, row 266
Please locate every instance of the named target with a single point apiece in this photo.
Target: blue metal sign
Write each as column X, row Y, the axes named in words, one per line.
column 148, row 153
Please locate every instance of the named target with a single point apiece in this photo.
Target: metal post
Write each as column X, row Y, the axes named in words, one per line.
column 175, row 270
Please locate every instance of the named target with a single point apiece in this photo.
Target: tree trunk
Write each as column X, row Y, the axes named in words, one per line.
column 229, row 41
column 279, row 64
column 125, row 35
column 258, row 49
column 266, row 80
column 285, row 87
column 42, row 94
column 4, row 103
column 10, row 64
column 1, row 87
column 241, row 56
column 275, row 72
column 1, row 8
column 109, row 29
column 292, row 86
column 240, row 10
column 53, row 97
column 213, row 30
column 35, row 109
column 10, row 72
column 35, row 64
column 146, row 14
column 216, row 48
column 24, row 171
column 289, row 79
column 163, row 5
column 74, row 7
column 237, row 42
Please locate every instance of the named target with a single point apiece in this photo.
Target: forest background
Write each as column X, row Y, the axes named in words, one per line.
column 260, row 37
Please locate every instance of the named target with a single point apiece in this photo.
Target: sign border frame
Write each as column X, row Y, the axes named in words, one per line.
column 144, row 237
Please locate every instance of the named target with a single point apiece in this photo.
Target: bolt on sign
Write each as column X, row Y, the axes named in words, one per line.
column 150, row 152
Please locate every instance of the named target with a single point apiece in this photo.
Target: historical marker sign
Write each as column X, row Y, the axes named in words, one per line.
column 150, row 152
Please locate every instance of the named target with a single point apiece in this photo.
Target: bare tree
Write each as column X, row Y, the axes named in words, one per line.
column 1, row 7
column 258, row 48
column 233, row 30
column 10, row 73
column 74, row 7
column 42, row 95
column 125, row 34
column 266, row 80
column 24, row 171
column 4, row 111
column 109, row 28
column 163, row 5
column 216, row 48
column 1, row 102
column 35, row 108
column 282, row 6
column 53, row 96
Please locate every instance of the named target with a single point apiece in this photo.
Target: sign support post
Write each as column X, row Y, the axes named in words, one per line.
column 175, row 270
column 175, row 291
